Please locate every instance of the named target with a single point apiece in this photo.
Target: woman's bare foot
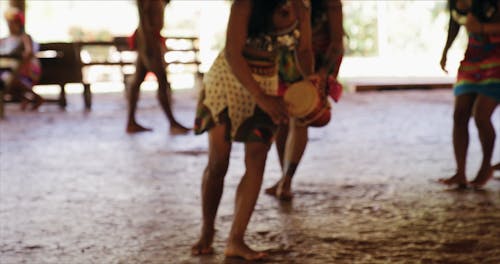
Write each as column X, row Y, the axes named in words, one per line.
column 456, row 179
column 133, row 127
column 281, row 190
column 37, row 102
column 178, row 129
column 483, row 176
column 272, row 190
column 241, row 250
column 204, row 245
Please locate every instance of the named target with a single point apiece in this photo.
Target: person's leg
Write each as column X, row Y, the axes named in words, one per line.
column 27, row 86
column 165, row 99
column 21, row 89
column 246, row 198
column 483, row 109
column 19, row 93
column 280, row 142
column 134, row 87
column 461, row 116
column 37, row 101
column 296, row 142
column 212, row 187
column 281, row 137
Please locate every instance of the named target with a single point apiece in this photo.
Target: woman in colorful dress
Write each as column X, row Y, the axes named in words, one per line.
column 327, row 41
column 477, row 90
column 20, row 79
column 239, row 102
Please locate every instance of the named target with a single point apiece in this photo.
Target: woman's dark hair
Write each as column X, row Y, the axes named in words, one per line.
column 482, row 9
column 261, row 18
column 317, row 9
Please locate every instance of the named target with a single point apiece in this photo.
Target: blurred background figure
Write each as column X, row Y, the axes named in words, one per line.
column 151, row 47
column 327, row 42
column 24, row 69
column 477, row 89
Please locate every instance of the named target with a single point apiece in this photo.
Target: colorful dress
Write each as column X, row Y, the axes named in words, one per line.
column 223, row 99
column 479, row 71
column 29, row 71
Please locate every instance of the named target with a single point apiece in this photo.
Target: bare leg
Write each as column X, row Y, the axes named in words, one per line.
column 461, row 117
column 25, row 94
column 212, row 187
column 133, row 98
column 165, row 96
column 280, row 142
column 483, row 109
column 296, row 142
column 246, row 198
column 281, row 138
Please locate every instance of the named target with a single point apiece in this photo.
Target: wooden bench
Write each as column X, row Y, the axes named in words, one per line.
column 176, row 45
column 184, row 50
column 6, row 63
column 183, row 46
column 61, row 64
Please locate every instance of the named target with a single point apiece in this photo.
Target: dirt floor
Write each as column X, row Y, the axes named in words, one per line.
column 75, row 188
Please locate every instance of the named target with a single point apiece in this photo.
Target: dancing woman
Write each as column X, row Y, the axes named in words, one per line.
column 477, row 90
column 327, row 41
column 239, row 102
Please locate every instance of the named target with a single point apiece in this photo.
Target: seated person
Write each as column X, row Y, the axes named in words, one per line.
column 25, row 72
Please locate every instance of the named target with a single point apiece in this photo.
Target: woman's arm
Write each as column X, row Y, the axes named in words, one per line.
column 235, row 42
column 237, row 32
column 28, row 48
column 335, row 50
column 305, row 54
column 453, row 29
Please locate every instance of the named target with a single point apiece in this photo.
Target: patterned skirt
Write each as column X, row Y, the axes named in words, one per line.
column 224, row 100
column 479, row 71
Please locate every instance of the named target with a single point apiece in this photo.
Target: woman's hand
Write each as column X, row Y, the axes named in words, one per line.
column 443, row 63
column 320, row 80
column 274, row 106
column 473, row 25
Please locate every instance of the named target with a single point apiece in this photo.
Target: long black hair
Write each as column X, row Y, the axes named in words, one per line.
column 317, row 9
column 261, row 18
column 482, row 9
